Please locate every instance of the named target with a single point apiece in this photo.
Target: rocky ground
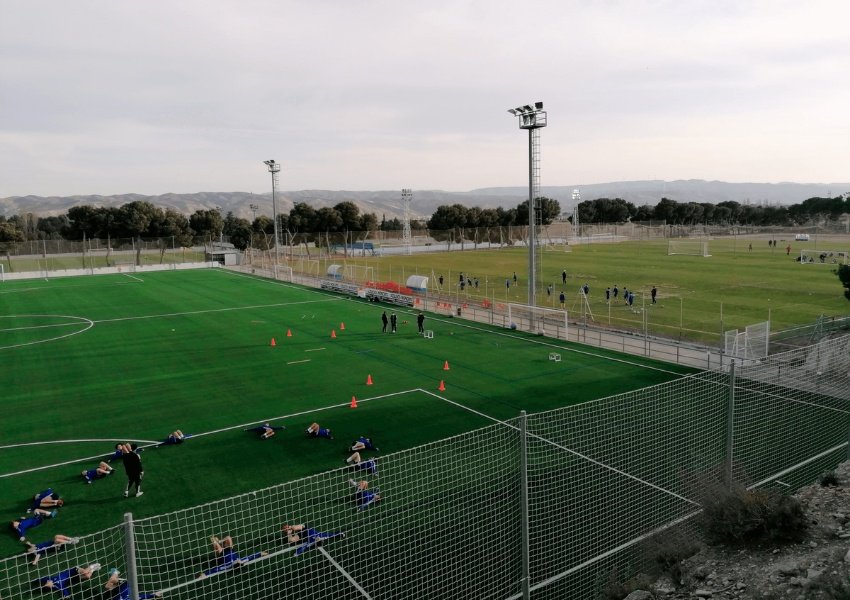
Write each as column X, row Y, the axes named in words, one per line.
column 817, row 568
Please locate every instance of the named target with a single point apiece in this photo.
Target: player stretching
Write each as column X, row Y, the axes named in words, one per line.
column 119, row 589
column 99, row 472
column 55, row 545
column 315, row 431
column 369, row 466
column 265, row 431
column 62, row 582
column 363, row 443
column 46, row 499
column 227, row 557
column 307, row 537
column 34, row 520
column 364, row 497
column 177, row 437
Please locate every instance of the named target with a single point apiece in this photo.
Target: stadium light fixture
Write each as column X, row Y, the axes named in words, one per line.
column 532, row 118
column 274, row 169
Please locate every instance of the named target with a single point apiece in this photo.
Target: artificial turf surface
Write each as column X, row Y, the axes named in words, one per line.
column 133, row 357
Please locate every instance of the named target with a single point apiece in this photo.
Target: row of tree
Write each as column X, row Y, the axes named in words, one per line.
column 810, row 212
column 143, row 219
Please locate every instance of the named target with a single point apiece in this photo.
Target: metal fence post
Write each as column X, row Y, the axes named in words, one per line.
column 130, row 551
column 730, row 427
column 523, row 450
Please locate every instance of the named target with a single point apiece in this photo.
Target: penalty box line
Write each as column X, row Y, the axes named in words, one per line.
column 345, row 574
column 569, row 450
column 223, row 429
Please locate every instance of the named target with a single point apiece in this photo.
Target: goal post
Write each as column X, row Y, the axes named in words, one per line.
column 2, row 272
column 824, row 257
column 750, row 344
column 687, row 248
column 550, row 322
column 354, row 272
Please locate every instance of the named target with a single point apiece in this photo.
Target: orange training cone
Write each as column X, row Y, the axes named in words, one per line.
column 446, row 366
column 333, row 334
column 442, row 387
column 369, row 379
column 353, row 402
column 273, row 343
column 288, row 333
column 342, row 326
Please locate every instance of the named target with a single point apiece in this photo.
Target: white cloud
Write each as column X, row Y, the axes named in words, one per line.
column 120, row 97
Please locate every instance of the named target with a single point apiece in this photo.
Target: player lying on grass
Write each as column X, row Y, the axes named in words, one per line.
column 370, row 467
column 119, row 589
column 32, row 520
column 99, row 472
column 177, row 437
column 265, row 431
column 315, row 431
column 363, row 443
column 306, row 537
column 62, row 582
column 46, row 499
column 364, row 497
column 55, row 545
column 227, row 557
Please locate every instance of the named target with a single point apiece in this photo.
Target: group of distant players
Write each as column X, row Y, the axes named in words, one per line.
column 364, row 496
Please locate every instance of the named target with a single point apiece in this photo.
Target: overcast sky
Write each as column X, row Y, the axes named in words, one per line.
column 156, row 96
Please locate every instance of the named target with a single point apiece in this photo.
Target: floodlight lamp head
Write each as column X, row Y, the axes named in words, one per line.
column 512, row 111
column 538, row 105
column 527, row 108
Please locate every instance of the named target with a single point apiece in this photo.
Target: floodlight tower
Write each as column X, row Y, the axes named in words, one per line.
column 406, row 236
column 576, row 202
column 532, row 118
column 274, row 169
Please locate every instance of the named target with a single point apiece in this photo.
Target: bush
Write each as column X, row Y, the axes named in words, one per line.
column 667, row 550
column 741, row 516
column 828, row 478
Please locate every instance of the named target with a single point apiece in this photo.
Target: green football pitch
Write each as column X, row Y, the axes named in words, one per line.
column 88, row 361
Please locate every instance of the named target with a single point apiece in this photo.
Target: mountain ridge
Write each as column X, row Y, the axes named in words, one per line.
column 425, row 202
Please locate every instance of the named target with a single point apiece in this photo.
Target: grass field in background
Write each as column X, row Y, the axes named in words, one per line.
column 90, row 359
column 698, row 297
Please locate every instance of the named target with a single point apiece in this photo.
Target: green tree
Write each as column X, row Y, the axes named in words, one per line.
column 844, row 277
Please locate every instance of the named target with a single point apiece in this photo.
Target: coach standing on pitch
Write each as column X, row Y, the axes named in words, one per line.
column 133, row 467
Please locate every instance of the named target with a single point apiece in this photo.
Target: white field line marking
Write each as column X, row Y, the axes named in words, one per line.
column 231, row 570
column 295, row 362
column 345, row 573
column 551, row 345
column 139, row 279
column 73, row 442
column 82, row 321
column 571, row 451
column 223, row 429
column 212, row 310
column 607, row 553
column 314, row 349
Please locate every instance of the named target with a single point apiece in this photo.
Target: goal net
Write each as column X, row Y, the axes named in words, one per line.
column 307, row 266
column 688, row 247
column 750, row 344
column 543, row 321
column 824, row 257
column 359, row 273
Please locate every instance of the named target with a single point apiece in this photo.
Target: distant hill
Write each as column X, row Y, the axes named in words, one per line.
column 425, row 202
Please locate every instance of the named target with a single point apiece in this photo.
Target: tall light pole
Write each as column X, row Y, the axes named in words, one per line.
column 532, row 118
column 274, row 169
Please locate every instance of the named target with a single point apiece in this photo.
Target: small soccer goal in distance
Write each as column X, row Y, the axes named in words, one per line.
column 687, row 248
column 542, row 321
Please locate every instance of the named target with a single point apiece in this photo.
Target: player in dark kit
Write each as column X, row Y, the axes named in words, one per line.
column 133, row 466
